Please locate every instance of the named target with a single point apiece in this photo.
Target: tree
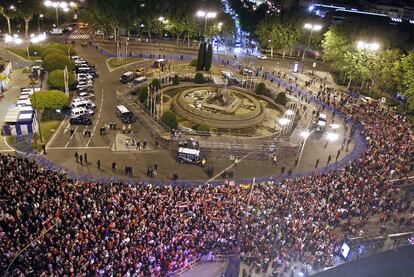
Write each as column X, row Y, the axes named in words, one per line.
column 281, row 99
column 8, row 13
column 176, row 80
column 49, row 99
column 143, row 94
column 273, row 33
column 403, row 72
column 26, row 9
column 209, row 57
column 199, row 78
column 56, row 79
column 170, row 119
column 156, row 83
column 57, row 61
column 261, row 89
column 201, row 56
column 335, row 44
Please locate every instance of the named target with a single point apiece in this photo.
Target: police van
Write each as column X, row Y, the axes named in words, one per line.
column 321, row 123
column 188, row 155
column 124, row 114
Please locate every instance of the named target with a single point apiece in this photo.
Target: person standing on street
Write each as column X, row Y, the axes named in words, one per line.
column 98, row 163
column 76, row 156
column 113, row 166
column 85, row 157
column 81, row 159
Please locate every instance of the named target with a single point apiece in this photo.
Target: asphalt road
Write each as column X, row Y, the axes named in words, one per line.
column 63, row 146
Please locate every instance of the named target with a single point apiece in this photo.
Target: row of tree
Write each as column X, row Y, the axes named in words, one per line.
column 387, row 70
column 24, row 10
column 155, row 17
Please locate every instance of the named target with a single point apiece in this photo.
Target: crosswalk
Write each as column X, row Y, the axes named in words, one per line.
column 77, row 35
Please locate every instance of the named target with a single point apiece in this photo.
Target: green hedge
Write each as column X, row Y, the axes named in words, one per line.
column 170, row 119
column 57, row 61
column 52, row 50
column 199, row 78
column 281, row 98
column 49, row 99
column 56, row 80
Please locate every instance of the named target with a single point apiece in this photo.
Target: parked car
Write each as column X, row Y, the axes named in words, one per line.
column 80, row 120
column 86, row 95
column 262, row 57
column 368, row 100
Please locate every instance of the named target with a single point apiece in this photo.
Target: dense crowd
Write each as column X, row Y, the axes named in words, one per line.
column 144, row 230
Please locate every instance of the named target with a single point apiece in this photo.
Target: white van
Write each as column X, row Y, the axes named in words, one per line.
column 80, row 112
column 127, row 77
column 83, row 104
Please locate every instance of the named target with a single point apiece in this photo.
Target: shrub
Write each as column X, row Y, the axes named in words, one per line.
column 208, row 58
column 52, row 50
column 49, row 99
column 60, row 46
column 194, row 62
column 143, row 94
column 261, row 89
column 199, row 78
column 55, row 79
column 35, row 50
column 281, row 99
column 203, row 128
column 201, row 56
column 57, row 61
column 170, row 119
column 176, row 80
column 156, row 83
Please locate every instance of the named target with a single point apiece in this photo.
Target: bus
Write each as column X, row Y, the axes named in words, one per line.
column 188, row 155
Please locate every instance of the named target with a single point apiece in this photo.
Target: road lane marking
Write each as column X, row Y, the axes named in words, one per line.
column 55, row 134
column 74, row 132
column 99, row 116
column 79, row 147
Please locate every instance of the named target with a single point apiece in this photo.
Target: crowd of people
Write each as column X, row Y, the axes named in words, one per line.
column 84, row 228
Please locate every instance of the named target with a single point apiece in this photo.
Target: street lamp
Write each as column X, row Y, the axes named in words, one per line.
column 206, row 15
column 305, row 134
column 38, row 22
column 312, row 28
column 59, row 4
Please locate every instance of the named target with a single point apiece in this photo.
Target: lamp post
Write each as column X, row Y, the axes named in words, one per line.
column 305, row 134
column 206, row 15
column 59, row 4
column 38, row 22
column 312, row 28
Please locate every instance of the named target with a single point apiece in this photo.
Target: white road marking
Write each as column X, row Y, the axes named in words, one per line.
column 8, row 145
column 71, row 137
column 56, row 132
column 79, row 147
column 99, row 116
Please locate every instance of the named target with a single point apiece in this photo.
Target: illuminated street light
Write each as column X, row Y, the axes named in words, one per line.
column 206, row 15
column 161, row 18
column 290, row 112
column 312, row 28
column 370, row 46
column 332, row 136
column 59, row 4
column 305, row 134
column 284, row 121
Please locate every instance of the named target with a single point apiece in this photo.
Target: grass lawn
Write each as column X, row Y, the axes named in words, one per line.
column 48, row 128
column 113, row 62
column 23, row 53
